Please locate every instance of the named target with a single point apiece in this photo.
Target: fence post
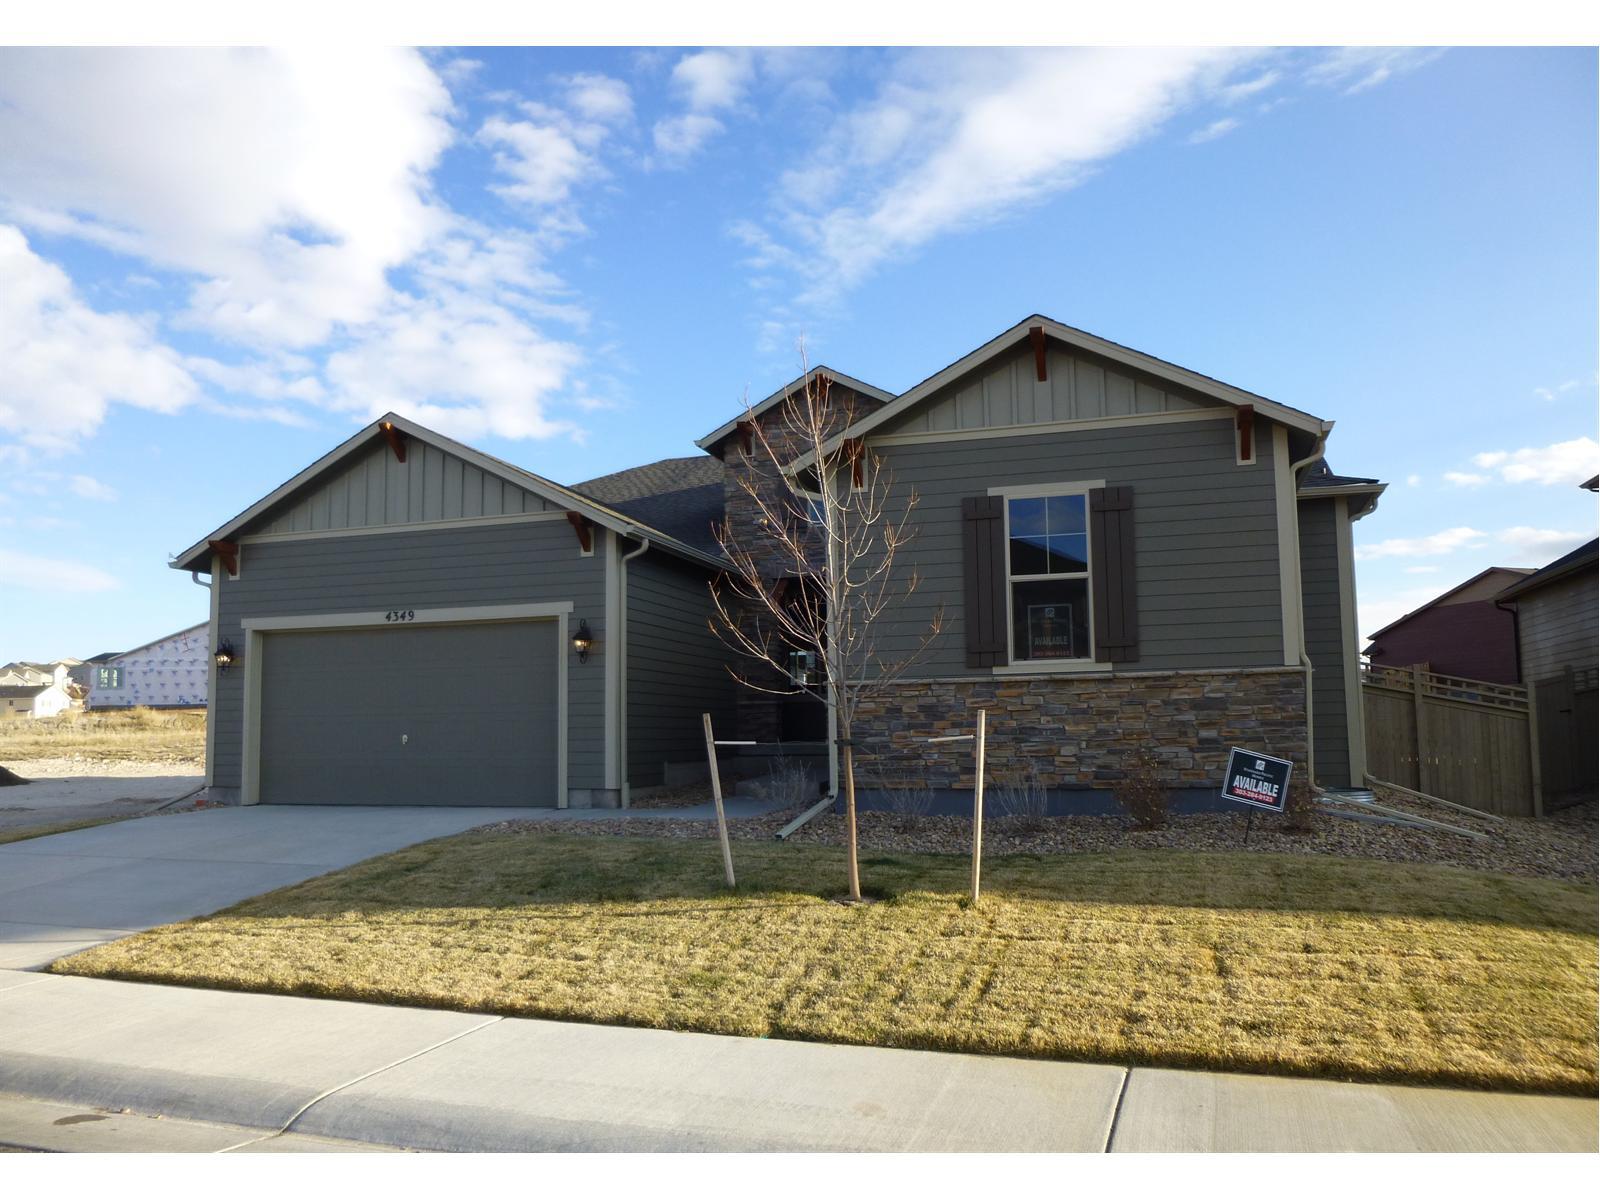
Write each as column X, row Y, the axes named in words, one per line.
column 1424, row 775
column 716, row 798
column 1535, row 773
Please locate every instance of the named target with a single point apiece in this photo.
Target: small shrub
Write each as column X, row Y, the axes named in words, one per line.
column 909, row 796
column 1300, row 810
column 788, row 782
column 1024, row 796
column 1143, row 790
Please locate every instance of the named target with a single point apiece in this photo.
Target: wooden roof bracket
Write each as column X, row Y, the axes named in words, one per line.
column 584, row 530
column 1036, row 335
column 228, row 552
column 395, row 438
column 1244, row 421
column 856, row 452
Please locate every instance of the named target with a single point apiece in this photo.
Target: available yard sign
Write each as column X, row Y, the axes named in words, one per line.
column 1257, row 779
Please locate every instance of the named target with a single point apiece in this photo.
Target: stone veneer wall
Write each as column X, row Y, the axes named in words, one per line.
column 1075, row 730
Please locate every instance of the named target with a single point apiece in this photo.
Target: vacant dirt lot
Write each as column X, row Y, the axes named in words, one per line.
column 112, row 742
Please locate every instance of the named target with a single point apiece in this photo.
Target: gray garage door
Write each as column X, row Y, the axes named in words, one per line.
column 421, row 714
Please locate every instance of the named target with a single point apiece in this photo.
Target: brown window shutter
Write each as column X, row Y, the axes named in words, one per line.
column 983, row 542
column 1114, row 579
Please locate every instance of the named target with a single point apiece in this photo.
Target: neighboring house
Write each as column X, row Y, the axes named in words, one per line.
column 170, row 672
column 1129, row 555
column 1461, row 632
column 1557, row 615
column 37, row 698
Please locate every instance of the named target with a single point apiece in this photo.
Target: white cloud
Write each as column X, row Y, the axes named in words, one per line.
column 1446, row 541
column 544, row 164
column 713, row 79
column 1465, row 479
column 953, row 139
column 1427, row 570
column 677, row 138
column 1413, row 480
column 1539, row 546
column 455, row 362
column 90, row 488
column 1568, row 462
column 1560, row 389
column 1357, row 68
column 65, row 363
column 34, row 573
column 1235, row 92
column 288, row 182
column 1213, row 131
column 600, row 98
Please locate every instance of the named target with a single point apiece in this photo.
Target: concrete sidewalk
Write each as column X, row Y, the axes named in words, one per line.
column 69, row 891
column 411, row 1078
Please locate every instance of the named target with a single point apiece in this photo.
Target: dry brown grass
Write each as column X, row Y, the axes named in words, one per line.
column 1252, row 962
column 110, row 735
column 35, row 831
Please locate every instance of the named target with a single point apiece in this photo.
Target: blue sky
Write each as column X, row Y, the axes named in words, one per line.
column 216, row 265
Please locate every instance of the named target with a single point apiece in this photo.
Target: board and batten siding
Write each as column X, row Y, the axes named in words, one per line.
column 676, row 667
column 528, row 562
column 1205, row 536
column 373, row 488
column 1324, row 624
column 1077, row 387
column 1557, row 625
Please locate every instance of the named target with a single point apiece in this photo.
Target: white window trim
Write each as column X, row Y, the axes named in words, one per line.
column 1036, row 491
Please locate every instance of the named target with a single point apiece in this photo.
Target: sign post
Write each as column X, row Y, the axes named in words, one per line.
column 1258, row 780
column 716, row 797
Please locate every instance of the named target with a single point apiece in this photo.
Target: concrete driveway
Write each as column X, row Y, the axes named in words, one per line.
column 69, row 891
column 66, row 892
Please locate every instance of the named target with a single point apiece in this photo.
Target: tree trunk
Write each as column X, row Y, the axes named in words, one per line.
column 850, row 819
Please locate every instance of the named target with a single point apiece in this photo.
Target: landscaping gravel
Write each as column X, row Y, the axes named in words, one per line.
column 1561, row 846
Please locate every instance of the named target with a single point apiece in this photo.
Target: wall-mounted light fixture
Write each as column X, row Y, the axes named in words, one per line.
column 224, row 656
column 582, row 640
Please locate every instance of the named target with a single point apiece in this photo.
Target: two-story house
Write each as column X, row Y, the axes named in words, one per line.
column 1128, row 554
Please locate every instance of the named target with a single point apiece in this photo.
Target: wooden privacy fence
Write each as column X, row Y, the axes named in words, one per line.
column 1462, row 740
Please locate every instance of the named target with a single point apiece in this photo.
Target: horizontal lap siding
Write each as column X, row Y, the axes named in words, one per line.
column 676, row 667
column 1558, row 627
column 533, row 563
column 1205, row 536
column 1319, row 581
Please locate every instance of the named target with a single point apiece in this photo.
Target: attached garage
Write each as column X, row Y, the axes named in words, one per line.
column 411, row 714
column 408, row 621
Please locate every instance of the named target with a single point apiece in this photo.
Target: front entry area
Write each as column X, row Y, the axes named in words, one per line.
column 427, row 714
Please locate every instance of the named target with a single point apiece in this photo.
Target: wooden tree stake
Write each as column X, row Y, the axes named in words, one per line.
column 716, row 798
column 977, row 805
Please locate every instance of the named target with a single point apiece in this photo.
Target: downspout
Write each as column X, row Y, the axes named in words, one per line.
column 1295, row 468
column 620, row 640
column 1516, row 633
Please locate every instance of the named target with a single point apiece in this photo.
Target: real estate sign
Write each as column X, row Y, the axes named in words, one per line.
column 1257, row 779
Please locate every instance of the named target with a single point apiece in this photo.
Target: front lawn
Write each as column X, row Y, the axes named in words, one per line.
column 1251, row 962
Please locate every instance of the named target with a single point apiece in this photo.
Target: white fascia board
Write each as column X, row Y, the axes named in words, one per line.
column 787, row 390
column 1132, row 359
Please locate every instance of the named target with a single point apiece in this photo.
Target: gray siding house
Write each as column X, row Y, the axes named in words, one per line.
column 1128, row 555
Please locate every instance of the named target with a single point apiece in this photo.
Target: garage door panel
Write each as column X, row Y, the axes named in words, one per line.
column 457, row 714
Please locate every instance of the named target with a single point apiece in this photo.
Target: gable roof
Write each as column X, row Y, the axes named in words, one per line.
column 679, row 496
column 1445, row 595
column 1583, row 557
column 198, row 556
column 23, row 691
column 1081, row 340
column 794, row 385
column 159, row 640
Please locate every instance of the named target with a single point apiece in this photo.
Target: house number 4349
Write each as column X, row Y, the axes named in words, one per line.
column 400, row 614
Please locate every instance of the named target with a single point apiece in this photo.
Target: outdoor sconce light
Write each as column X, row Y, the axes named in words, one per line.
column 582, row 640
column 224, row 656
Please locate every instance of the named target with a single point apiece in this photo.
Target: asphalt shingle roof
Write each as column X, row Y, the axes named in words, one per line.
column 1320, row 474
column 682, row 497
column 1568, row 564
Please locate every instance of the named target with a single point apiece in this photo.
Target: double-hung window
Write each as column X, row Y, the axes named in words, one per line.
column 108, row 677
column 1047, row 561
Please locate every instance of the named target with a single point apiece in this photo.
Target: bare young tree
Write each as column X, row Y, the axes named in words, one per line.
column 813, row 571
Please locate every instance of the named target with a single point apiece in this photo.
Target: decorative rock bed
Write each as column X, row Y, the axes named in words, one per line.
column 1562, row 846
